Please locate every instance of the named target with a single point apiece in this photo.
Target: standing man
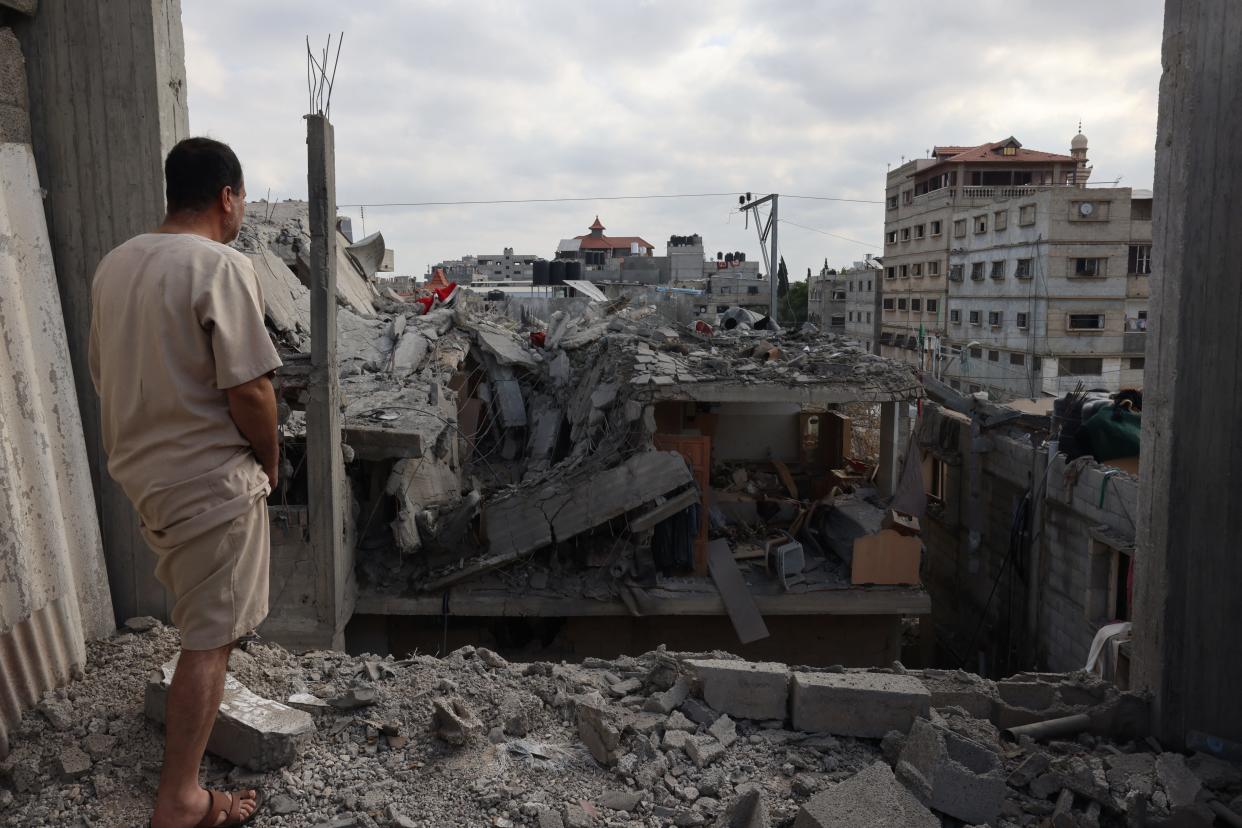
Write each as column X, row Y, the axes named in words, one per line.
column 182, row 361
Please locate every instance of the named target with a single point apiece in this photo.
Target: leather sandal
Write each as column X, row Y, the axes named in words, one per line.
column 229, row 804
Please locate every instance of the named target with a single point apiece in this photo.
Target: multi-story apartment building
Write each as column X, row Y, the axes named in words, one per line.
column 506, row 267
column 862, row 283
column 922, row 198
column 1047, row 288
column 825, row 299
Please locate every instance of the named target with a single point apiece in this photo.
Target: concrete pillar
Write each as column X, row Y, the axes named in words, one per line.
column 1186, row 650
column 890, row 447
column 325, row 465
column 107, row 103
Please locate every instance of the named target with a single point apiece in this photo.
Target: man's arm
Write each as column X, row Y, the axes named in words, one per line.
column 252, row 405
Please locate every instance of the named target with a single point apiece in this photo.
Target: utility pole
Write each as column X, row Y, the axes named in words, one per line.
column 765, row 229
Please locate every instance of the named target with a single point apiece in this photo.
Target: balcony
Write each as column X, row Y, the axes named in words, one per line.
column 989, row 193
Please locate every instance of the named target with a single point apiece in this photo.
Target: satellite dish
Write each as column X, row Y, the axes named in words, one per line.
column 1086, row 208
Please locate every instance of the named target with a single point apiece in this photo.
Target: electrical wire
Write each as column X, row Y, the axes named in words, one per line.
column 827, row 233
column 592, row 198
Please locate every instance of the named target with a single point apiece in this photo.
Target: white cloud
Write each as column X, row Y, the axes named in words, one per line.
column 444, row 100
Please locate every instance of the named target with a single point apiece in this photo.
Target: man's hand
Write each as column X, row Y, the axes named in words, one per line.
column 252, row 405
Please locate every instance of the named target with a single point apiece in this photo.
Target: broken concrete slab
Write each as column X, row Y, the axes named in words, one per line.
column 1179, row 782
column 744, row 689
column 703, row 750
column 747, row 811
column 871, row 798
column 530, row 520
column 251, row 731
column 597, row 729
column 504, row 347
column 667, row 701
column 857, row 704
column 951, row 773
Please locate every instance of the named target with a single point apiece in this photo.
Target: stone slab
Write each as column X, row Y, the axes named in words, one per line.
column 250, row 731
column 744, row 689
column 871, row 798
column 867, row 705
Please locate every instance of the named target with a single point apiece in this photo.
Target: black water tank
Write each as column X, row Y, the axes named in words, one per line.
column 573, row 271
column 556, row 272
column 728, row 257
column 539, row 274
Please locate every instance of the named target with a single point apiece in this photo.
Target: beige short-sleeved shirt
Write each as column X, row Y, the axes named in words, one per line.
column 177, row 319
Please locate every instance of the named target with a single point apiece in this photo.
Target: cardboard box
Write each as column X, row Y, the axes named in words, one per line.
column 886, row 557
column 905, row 524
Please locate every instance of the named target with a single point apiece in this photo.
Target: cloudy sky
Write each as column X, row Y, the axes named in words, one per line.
column 458, row 100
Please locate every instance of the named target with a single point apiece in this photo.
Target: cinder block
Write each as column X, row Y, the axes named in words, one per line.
column 744, row 689
column 952, row 774
column 249, row 730
column 857, row 704
column 871, row 797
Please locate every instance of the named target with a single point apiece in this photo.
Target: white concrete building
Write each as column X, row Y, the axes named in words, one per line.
column 863, row 285
column 1048, row 289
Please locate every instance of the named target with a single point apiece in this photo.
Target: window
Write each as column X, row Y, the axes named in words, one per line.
column 1085, row 322
column 993, row 356
column 851, row 316
column 1110, row 566
column 1009, row 150
column 933, row 268
column 918, row 231
column 935, row 228
column 892, row 202
column 1137, row 363
column 1017, row 359
column 1023, row 270
column 1037, row 362
column 976, row 271
column 974, row 317
column 1140, row 260
column 890, row 273
column 868, row 316
column 1021, row 321
column 916, row 305
column 891, row 238
column 1080, row 367
column 918, row 270
column 998, row 269
column 1026, row 215
column 905, row 234
column 901, row 303
column 752, row 290
column 888, row 304
column 905, row 271
column 976, row 353
column 955, row 273
column 907, row 197
column 955, row 316
column 995, row 318
column 959, row 228
column 836, row 321
column 1000, row 220
column 981, row 224
column 1087, row 267
column 1140, row 209
column 933, row 305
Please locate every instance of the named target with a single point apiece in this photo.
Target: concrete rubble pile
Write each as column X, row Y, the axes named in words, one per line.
column 661, row 739
column 478, row 434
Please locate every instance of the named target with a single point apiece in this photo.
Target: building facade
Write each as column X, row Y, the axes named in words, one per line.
column 922, row 198
column 506, row 267
column 596, row 250
column 825, row 299
column 863, row 283
column 1047, row 289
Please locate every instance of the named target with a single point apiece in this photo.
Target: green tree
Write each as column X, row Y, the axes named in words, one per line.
column 794, row 306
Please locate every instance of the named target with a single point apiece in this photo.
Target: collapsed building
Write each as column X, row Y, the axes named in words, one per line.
column 585, row 459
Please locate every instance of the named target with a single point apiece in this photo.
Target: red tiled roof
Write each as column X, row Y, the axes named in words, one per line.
column 986, row 153
column 611, row 242
column 596, row 225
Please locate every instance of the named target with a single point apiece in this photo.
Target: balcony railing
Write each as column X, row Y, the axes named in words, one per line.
column 980, row 193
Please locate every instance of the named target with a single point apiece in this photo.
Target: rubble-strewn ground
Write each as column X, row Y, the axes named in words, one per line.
column 87, row 756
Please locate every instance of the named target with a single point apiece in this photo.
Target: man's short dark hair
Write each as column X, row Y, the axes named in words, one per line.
column 195, row 172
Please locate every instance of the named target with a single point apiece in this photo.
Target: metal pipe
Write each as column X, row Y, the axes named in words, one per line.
column 1049, row 728
column 1225, row 813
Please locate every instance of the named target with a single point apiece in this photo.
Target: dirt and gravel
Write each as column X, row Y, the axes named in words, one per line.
column 473, row 740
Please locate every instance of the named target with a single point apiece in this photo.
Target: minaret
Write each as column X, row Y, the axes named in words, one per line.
column 597, row 229
column 1078, row 149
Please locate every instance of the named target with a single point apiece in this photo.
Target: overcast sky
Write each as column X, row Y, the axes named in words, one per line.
column 456, row 100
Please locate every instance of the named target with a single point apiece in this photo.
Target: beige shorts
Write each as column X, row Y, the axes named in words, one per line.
column 219, row 579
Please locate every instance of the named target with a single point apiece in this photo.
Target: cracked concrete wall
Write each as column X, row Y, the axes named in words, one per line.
column 107, row 103
column 53, row 583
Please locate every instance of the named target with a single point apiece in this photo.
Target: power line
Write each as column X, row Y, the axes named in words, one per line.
column 538, row 200
column 828, row 233
column 591, row 198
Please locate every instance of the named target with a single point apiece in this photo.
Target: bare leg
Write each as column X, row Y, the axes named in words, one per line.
column 193, row 699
